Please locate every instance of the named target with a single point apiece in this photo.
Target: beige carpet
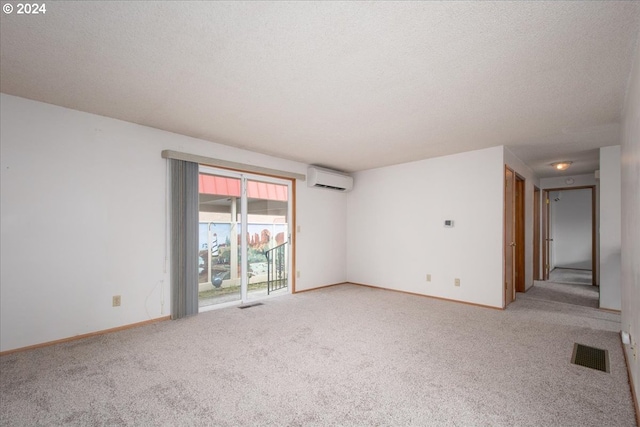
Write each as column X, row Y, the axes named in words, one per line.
column 584, row 295
column 340, row 356
column 571, row 276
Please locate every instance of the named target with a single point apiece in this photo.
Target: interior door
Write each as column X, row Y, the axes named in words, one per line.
column 509, row 236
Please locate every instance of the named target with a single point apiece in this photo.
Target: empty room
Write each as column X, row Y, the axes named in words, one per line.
column 320, row 213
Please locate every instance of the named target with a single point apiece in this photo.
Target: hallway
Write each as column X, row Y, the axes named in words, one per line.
column 570, row 275
column 567, row 286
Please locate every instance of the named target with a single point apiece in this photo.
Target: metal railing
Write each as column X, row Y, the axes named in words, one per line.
column 276, row 268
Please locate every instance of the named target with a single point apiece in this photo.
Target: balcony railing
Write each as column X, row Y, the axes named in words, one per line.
column 276, row 268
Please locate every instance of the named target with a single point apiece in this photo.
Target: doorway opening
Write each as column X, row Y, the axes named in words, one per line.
column 245, row 240
column 570, row 236
column 569, row 249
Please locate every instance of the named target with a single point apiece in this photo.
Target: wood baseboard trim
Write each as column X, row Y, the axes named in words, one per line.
column 428, row 296
column 610, row 310
column 83, row 336
column 319, row 287
column 572, row 268
column 636, row 405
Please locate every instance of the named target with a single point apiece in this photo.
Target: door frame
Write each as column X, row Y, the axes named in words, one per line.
column 520, row 270
column 508, row 231
column 244, row 177
column 545, row 232
column 514, row 250
column 594, row 248
column 536, row 233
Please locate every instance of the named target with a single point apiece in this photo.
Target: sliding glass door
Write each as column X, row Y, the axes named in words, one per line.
column 219, row 277
column 244, row 237
column 268, row 238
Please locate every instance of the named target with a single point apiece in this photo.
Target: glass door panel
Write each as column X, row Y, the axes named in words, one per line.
column 268, row 234
column 219, row 280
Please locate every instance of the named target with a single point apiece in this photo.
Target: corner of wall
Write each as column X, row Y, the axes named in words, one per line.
column 630, row 224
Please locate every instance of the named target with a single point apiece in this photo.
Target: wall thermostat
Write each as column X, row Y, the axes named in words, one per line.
column 448, row 223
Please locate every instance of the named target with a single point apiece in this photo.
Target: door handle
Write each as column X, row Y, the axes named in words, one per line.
column 512, row 244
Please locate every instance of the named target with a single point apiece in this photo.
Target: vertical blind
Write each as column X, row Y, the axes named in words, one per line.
column 184, row 238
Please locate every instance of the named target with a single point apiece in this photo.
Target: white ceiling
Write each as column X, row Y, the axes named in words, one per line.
column 347, row 85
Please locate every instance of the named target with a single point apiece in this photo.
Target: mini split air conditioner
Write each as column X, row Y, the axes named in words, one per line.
column 327, row 178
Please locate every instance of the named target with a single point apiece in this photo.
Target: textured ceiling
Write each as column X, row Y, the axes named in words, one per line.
column 348, row 85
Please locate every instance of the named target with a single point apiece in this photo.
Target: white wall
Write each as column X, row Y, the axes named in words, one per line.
column 560, row 181
column 83, row 208
column 321, row 237
column 396, row 236
column 530, row 180
column 570, row 227
column 630, row 179
column 610, row 238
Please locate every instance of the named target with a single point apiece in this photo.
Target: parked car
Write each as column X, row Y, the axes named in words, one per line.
column 216, row 281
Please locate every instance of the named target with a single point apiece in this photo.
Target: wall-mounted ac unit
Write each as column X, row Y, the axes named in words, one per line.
column 327, row 178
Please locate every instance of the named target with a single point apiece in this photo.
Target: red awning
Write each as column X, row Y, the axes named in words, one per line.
column 222, row 186
column 219, row 185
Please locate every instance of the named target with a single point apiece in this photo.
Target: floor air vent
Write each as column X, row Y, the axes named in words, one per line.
column 242, row 307
column 590, row 357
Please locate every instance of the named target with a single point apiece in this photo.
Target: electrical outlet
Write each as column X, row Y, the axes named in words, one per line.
column 456, row 282
column 116, row 300
column 428, row 277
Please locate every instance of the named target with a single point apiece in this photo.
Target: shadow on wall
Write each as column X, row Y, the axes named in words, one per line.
column 610, row 267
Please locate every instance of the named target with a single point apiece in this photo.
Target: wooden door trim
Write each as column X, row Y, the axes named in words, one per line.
column 294, row 235
column 545, row 235
column 594, row 248
column 520, row 264
column 506, row 246
column 536, row 233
